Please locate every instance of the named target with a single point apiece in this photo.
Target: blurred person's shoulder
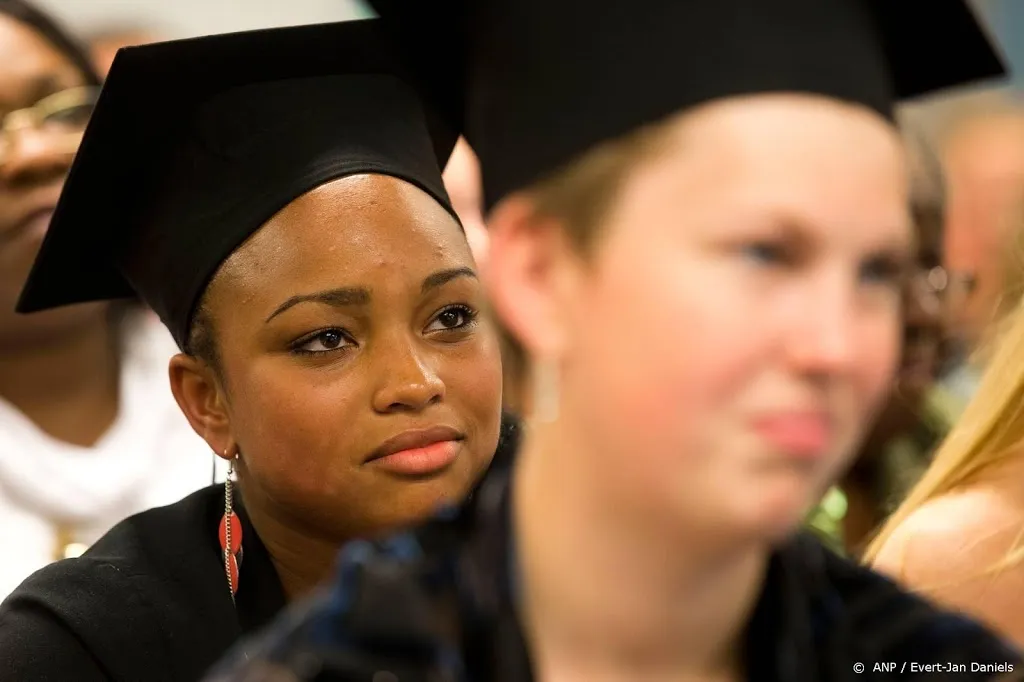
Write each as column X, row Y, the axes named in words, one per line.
column 149, row 600
column 963, row 551
column 951, row 526
column 861, row 616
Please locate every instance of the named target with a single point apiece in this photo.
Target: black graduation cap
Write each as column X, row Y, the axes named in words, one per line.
column 537, row 82
column 195, row 144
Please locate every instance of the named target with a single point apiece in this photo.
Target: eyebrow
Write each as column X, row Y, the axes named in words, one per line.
column 360, row 296
column 442, row 277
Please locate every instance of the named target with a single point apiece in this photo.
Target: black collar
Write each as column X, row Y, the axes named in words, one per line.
column 783, row 643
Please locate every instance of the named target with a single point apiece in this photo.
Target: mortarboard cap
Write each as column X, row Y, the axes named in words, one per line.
column 195, row 144
column 538, row 82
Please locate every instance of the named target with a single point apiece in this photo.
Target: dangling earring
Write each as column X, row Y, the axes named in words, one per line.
column 546, row 391
column 230, row 531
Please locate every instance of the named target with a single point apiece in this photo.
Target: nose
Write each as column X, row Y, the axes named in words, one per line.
column 35, row 158
column 822, row 343
column 409, row 383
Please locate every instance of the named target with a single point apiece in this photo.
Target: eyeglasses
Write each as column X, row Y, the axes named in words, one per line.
column 61, row 116
column 933, row 281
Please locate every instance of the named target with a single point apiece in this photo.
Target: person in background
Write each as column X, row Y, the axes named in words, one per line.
column 957, row 536
column 983, row 155
column 1011, row 272
column 919, row 412
column 290, row 227
column 703, row 261
column 462, row 180
column 89, row 432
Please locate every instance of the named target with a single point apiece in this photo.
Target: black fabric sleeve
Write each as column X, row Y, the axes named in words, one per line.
column 36, row 647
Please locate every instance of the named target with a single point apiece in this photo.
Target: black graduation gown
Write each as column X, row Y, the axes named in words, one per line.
column 820, row 618
column 149, row 601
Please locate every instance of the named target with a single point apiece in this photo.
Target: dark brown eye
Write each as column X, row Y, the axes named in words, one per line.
column 453, row 317
column 330, row 339
column 450, row 318
column 323, row 342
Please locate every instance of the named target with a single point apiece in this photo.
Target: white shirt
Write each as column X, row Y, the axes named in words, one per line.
column 149, row 457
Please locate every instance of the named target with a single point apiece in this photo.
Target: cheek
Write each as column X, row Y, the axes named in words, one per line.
column 879, row 344
column 473, row 388
column 295, row 426
column 659, row 350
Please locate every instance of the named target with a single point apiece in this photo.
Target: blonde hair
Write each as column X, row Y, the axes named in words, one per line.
column 991, row 429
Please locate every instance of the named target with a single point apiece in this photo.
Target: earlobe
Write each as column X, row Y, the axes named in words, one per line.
column 201, row 399
column 526, row 256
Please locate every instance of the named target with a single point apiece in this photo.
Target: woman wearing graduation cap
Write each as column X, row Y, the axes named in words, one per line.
column 699, row 225
column 89, row 432
column 276, row 198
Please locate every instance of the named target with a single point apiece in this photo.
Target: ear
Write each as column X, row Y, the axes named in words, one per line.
column 201, row 398
column 532, row 275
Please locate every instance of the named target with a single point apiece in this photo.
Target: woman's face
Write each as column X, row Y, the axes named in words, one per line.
column 732, row 336
column 32, row 173
column 352, row 318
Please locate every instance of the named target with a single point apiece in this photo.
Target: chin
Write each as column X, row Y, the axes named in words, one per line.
column 776, row 515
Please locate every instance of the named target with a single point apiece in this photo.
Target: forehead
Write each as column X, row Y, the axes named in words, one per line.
column 808, row 159
column 344, row 233
column 26, row 59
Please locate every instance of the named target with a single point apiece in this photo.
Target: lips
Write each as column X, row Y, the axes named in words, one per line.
column 806, row 435
column 415, row 440
column 418, row 454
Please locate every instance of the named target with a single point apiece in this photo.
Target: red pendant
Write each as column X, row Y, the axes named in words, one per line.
column 232, row 568
column 231, row 561
column 236, row 533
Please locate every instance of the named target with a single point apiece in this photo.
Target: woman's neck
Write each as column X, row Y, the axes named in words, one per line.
column 303, row 559
column 608, row 597
column 68, row 388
